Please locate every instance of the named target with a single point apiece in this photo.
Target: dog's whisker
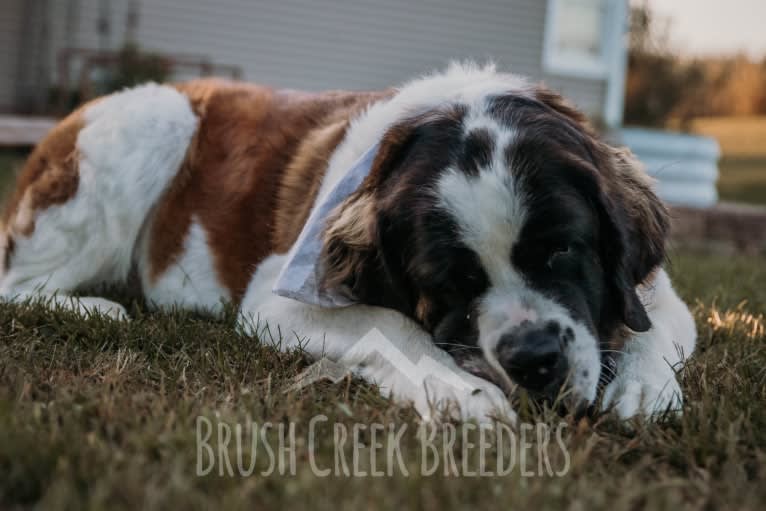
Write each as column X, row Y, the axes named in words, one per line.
column 615, row 351
column 459, row 345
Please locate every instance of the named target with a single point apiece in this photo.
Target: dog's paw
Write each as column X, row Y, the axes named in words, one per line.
column 649, row 396
column 472, row 399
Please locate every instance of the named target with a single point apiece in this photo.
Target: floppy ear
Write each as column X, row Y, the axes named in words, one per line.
column 366, row 237
column 348, row 244
column 353, row 260
column 639, row 224
column 635, row 222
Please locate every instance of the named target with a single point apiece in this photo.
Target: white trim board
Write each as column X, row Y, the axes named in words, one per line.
column 581, row 66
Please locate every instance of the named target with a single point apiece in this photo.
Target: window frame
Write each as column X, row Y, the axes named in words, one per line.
column 555, row 63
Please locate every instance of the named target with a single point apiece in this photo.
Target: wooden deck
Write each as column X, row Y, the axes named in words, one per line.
column 23, row 131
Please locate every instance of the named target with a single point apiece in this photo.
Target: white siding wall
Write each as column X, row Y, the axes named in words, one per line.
column 324, row 44
column 10, row 37
column 362, row 44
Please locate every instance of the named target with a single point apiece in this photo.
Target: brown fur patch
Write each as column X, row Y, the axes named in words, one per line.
column 348, row 239
column 620, row 337
column 352, row 222
column 301, row 182
column 251, row 142
column 423, row 309
column 50, row 176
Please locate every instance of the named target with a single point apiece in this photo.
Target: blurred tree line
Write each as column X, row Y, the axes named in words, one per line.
column 663, row 86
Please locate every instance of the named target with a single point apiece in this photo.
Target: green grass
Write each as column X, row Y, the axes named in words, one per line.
column 743, row 179
column 743, row 165
column 101, row 415
column 738, row 136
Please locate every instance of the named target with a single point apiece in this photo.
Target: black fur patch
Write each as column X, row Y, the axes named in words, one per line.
column 477, row 151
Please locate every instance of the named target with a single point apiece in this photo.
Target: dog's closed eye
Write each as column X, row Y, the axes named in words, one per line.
column 559, row 254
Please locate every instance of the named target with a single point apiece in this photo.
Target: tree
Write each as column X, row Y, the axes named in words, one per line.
column 658, row 82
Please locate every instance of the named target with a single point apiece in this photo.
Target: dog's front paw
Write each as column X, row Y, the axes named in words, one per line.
column 472, row 399
column 647, row 395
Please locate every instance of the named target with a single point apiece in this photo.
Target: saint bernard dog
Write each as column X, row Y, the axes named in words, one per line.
column 492, row 232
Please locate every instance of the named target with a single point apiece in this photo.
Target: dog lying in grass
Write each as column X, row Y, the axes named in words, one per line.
column 449, row 240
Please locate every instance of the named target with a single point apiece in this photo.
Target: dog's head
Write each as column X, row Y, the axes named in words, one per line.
column 510, row 232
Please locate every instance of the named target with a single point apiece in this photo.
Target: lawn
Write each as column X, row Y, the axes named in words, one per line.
column 743, row 179
column 96, row 414
column 739, row 137
column 743, row 165
column 101, row 415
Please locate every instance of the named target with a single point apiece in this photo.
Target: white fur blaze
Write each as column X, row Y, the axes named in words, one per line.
column 191, row 282
column 490, row 213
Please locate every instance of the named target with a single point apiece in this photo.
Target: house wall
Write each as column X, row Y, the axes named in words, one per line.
column 10, row 37
column 325, row 44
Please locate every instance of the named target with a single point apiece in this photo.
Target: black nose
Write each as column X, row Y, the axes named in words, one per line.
column 532, row 355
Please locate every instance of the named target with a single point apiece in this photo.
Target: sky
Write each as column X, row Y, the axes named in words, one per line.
column 714, row 27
